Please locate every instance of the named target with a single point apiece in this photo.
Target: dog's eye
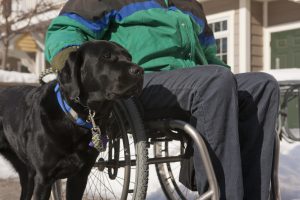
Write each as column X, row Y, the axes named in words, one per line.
column 106, row 55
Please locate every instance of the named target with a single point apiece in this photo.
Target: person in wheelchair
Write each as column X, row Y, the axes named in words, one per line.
column 171, row 40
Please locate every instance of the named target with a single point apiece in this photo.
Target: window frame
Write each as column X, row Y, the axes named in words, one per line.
column 229, row 33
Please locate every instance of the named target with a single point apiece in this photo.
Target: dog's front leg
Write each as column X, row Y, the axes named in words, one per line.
column 77, row 183
column 29, row 185
column 42, row 188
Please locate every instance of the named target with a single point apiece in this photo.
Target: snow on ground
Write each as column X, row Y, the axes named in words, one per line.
column 289, row 170
column 289, row 173
column 289, row 74
column 17, row 77
column 6, row 170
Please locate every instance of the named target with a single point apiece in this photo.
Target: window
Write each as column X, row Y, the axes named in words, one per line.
column 222, row 24
column 220, row 30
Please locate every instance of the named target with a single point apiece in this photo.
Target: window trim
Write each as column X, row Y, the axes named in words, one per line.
column 267, row 40
column 229, row 17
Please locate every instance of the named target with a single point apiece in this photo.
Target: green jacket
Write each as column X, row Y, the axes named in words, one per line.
column 159, row 35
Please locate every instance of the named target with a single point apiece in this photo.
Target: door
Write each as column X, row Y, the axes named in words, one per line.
column 285, row 53
column 285, row 49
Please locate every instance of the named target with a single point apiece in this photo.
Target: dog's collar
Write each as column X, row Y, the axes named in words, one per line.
column 69, row 111
column 99, row 141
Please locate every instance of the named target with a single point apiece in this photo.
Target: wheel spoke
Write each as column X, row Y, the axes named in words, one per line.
column 125, row 119
column 168, row 173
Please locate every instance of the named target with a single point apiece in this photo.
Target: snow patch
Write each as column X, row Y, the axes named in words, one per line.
column 290, row 74
column 6, row 170
column 17, row 77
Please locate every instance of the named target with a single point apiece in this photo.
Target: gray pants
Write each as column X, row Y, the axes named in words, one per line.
column 236, row 115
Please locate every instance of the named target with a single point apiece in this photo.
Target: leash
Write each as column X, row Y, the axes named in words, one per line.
column 99, row 140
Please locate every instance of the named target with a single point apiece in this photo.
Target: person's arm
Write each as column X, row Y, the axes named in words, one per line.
column 78, row 22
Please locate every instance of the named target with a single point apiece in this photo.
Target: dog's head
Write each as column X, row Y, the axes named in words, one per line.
column 99, row 71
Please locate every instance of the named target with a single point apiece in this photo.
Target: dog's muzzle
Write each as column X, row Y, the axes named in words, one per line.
column 136, row 71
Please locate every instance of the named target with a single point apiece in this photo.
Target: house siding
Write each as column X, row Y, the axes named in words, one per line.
column 281, row 12
column 213, row 7
column 256, row 36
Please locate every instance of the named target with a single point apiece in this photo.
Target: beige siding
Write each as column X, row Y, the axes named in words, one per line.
column 280, row 12
column 256, row 36
column 213, row 7
column 283, row 12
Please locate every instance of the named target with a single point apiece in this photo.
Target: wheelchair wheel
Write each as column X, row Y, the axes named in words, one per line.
column 168, row 173
column 56, row 192
column 121, row 172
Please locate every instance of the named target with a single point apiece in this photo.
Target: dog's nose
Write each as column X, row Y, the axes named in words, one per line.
column 136, row 71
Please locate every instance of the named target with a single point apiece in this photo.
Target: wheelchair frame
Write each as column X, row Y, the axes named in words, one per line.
column 212, row 193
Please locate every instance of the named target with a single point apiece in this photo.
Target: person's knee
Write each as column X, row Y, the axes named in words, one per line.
column 219, row 82
column 225, row 81
column 268, row 80
column 267, row 77
column 221, row 75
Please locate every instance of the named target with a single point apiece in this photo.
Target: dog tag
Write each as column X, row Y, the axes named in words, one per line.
column 96, row 139
column 96, row 134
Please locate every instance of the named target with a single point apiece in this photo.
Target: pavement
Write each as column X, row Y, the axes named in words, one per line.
column 10, row 189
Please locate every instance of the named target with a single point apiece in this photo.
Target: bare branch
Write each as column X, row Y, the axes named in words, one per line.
column 16, row 17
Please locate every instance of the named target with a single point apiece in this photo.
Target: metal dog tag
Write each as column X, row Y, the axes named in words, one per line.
column 96, row 134
column 96, row 139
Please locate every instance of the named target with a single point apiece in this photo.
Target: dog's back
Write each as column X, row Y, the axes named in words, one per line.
column 11, row 110
column 4, row 104
column 3, row 142
column 11, row 103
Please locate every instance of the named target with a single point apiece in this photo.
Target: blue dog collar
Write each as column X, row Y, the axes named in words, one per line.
column 68, row 110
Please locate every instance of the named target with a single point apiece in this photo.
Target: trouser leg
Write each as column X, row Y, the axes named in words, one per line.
column 258, row 107
column 207, row 95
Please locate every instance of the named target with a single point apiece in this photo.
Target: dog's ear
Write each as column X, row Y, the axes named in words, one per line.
column 69, row 76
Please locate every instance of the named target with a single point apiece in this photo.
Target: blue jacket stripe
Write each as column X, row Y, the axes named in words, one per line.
column 98, row 26
column 207, row 40
column 134, row 7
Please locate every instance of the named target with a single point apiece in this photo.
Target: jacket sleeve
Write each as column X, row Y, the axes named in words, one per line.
column 79, row 21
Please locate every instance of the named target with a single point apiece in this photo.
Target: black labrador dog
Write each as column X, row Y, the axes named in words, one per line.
column 42, row 140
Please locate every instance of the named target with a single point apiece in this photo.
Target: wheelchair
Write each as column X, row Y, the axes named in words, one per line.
column 122, row 171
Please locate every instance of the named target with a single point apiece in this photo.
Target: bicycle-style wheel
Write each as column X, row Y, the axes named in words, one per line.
column 168, row 173
column 120, row 172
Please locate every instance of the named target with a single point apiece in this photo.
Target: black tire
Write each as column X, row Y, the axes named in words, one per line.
column 168, row 173
column 128, row 159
